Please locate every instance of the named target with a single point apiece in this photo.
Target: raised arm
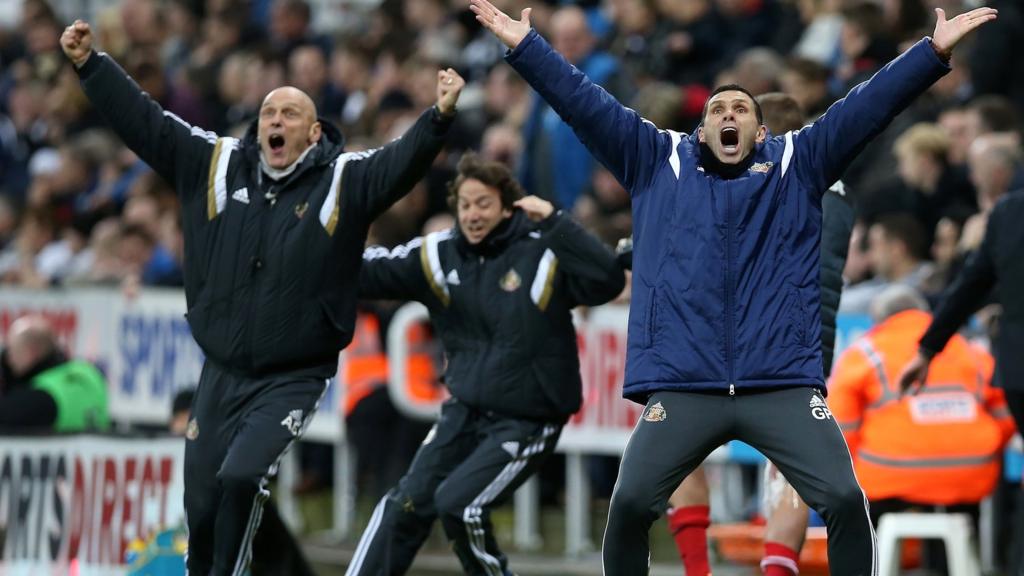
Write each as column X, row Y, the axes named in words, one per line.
column 408, row 272
column 592, row 273
column 629, row 146
column 822, row 151
column 378, row 178
column 180, row 153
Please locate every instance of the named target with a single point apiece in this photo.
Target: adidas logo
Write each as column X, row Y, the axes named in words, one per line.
column 453, row 278
column 511, row 446
column 293, row 422
column 242, row 195
column 819, row 409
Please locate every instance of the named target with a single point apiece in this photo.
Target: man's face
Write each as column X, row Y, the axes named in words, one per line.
column 479, row 210
column 880, row 252
column 730, row 126
column 956, row 125
column 287, row 126
column 947, row 234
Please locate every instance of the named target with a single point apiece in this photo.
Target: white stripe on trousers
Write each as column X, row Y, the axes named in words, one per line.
column 262, row 495
column 867, row 509
column 472, row 515
column 364, row 543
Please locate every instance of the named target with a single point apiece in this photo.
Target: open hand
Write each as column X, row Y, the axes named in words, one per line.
column 510, row 32
column 536, row 209
column 914, row 375
column 449, row 86
column 949, row 32
column 76, row 41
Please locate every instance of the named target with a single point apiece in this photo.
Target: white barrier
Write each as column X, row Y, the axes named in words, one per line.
column 84, row 498
column 146, row 350
column 142, row 345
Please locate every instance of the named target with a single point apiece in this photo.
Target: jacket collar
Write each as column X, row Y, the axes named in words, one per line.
column 332, row 143
column 508, row 231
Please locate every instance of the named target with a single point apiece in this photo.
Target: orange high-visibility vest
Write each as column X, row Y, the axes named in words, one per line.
column 941, row 446
column 420, row 370
column 366, row 366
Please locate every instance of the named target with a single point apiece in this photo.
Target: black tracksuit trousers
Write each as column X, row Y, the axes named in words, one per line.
column 470, row 462
column 792, row 427
column 240, row 427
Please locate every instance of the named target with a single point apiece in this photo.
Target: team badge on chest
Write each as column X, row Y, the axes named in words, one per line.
column 510, row 281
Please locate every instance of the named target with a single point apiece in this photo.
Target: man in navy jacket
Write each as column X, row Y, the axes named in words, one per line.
column 724, row 322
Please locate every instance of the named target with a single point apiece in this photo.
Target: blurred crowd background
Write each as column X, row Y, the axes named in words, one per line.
column 77, row 208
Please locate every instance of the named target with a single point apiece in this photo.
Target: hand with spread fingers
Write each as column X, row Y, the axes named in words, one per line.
column 449, row 86
column 949, row 32
column 510, row 32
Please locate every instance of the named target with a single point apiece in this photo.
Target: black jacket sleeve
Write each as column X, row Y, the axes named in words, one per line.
column 966, row 294
column 836, row 227
column 591, row 271
column 375, row 179
column 403, row 273
column 27, row 408
column 177, row 151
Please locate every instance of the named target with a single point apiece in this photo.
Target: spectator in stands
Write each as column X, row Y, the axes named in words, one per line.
column 994, row 63
column 555, row 165
column 146, row 260
column 896, row 251
column 42, row 389
column 307, row 71
column 994, row 160
column 941, row 448
column 291, row 27
column 931, row 187
column 807, row 82
column 864, row 45
column 275, row 550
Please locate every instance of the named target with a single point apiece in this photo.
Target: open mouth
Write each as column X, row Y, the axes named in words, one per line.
column 276, row 142
column 730, row 139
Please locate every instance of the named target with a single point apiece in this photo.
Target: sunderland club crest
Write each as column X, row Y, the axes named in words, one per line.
column 510, row 281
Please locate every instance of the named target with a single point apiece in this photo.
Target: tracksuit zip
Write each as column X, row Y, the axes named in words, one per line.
column 728, row 290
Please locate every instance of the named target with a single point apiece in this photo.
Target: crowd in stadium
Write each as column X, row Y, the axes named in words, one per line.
column 77, row 208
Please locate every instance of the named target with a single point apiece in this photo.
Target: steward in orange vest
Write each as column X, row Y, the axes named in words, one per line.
column 940, row 447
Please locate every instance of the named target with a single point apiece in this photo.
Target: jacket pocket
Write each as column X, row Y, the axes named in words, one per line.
column 650, row 318
column 799, row 316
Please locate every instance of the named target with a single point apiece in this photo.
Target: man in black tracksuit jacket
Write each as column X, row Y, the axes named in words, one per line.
column 500, row 288
column 275, row 226
column 997, row 264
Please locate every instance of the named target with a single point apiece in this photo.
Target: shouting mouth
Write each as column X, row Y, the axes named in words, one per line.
column 276, row 142
column 730, row 138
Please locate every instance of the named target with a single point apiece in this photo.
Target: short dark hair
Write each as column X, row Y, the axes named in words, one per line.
column 782, row 112
column 182, row 401
column 997, row 113
column 493, row 174
column 738, row 88
column 904, row 227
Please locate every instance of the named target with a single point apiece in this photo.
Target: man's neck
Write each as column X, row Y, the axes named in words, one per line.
column 279, row 173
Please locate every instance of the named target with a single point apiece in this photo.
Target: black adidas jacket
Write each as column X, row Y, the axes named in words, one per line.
column 270, row 285
column 502, row 308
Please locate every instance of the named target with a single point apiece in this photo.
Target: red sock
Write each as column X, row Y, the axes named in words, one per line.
column 779, row 560
column 689, row 528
